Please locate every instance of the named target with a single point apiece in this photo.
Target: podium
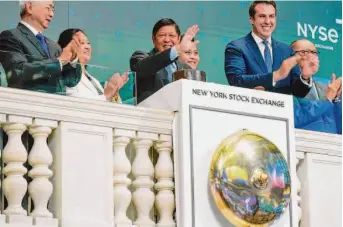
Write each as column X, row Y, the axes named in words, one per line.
column 206, row 114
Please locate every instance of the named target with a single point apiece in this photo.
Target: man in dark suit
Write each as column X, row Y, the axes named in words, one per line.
column 258, row 60
column 34, row 62
column 154, row 69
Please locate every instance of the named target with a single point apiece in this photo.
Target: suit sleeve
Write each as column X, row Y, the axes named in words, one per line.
column 307, row 111
column 148, row 65
column 236, row 71
column 20, row 72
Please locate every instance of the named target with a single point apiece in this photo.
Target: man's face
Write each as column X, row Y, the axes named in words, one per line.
column 264, row 21
column 41, row 12
column 166, row 38
column 307, row 51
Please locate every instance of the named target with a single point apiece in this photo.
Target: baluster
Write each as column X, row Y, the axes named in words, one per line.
column 164, row 174
column 14, row 156
column 2, row 217
column 298, row 197
column 122, row 167
column 143, row 171
column 40, row 158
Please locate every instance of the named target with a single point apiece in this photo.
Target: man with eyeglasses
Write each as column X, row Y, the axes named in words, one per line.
column 259, row 61
column 319, row 91
column 320, row 110
column 33, row 61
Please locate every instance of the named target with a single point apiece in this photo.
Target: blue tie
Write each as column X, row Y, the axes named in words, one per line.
column 171, row 69
column 267, row 56
column 41, row 39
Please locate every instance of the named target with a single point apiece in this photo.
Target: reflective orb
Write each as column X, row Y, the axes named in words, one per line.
column 250, row 180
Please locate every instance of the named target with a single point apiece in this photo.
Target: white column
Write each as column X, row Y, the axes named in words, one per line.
column 121, row 169
column 14, row 156
column 165, row 201
column 143, row 171
column 40, row 158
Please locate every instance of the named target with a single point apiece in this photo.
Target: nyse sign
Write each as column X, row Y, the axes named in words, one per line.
column 328, row 35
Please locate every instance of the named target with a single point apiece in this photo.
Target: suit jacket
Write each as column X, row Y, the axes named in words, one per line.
column 317, row 115
column 28, row 66
column 321, row 90
column 151, row 74
column 245, row 67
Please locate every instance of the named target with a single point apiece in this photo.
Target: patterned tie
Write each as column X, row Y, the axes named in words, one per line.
column 171, row 69
column 41, row 39
column 267, row 56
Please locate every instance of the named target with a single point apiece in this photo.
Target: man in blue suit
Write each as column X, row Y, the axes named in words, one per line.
column 258, row 60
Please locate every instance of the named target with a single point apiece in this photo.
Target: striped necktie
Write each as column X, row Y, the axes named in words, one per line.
column 267, row 56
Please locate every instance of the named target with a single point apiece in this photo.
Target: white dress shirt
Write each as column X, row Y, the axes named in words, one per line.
column 32, row 29
column 261, row 46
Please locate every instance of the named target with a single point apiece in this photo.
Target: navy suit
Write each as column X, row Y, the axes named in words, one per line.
column 245, row 67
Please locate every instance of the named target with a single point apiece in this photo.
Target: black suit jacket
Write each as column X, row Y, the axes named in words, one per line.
column 27, row 65
column 151, row 74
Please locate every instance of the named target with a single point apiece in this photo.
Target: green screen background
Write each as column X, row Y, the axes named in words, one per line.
column 117, row 28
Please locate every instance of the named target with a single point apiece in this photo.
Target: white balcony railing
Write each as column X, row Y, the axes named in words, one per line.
column 94, row 163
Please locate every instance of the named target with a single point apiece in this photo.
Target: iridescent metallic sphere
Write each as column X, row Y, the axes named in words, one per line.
column 250, row 180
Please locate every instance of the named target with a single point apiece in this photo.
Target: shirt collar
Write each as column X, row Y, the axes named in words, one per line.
column 259, row 40
column 32, row 29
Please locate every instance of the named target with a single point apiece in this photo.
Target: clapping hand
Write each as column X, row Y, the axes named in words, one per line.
column 72, row 50
column 114, row 84
column 334, row 88
column 309, row 65
column 286, row 67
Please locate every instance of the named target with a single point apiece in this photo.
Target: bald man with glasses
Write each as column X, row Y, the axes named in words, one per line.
column 319, row 91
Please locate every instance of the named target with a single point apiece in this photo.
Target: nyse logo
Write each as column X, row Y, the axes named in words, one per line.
column 317, row 32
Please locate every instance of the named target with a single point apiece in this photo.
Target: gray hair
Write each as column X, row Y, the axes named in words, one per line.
column 22, row 9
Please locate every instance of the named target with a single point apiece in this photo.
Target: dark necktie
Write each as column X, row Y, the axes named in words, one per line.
column 41, row 39
column 267, row 56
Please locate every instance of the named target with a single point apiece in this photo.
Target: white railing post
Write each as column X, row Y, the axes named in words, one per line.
column 143, row 171
column 164, row 173
column 299, row 157
column 2, row 217
column 40, row 158
column 121, row 169
column 14, row 156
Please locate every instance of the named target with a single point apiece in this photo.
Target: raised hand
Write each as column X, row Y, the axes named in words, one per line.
column 187, row 42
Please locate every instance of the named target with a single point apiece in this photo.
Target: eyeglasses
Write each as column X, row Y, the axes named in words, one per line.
column 306, row 52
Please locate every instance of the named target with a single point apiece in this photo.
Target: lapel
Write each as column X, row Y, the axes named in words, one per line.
column 320, row 90
column 277, row 56
column 255, row 51
column 32, row 38
column 162, row 74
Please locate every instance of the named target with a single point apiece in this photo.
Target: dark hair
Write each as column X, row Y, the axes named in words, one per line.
column 165, row 22
column 252, row 10
column 183, row 36
column 67, row 35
